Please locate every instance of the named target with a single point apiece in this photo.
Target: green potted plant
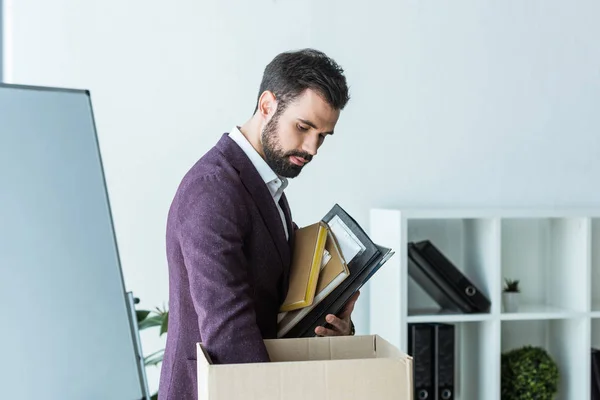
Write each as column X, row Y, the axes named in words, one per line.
column 510, row 295
column 528, row 373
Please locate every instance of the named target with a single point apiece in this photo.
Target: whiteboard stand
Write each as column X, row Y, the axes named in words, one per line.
column 135, row 333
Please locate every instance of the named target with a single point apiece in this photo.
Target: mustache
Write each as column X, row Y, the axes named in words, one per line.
column 300, row 154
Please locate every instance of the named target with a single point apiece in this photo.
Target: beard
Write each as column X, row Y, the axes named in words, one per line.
column 275, row 156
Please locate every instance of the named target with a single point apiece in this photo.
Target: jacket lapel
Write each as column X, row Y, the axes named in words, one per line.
column 261, row 195
column 290, row 228
column 288, row 218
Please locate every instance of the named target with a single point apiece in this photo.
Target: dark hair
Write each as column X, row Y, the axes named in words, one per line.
column 290, row 73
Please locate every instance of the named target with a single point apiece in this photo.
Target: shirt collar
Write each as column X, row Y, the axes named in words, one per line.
column 275, row 183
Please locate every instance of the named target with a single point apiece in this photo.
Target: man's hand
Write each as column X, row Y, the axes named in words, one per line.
column 340, row 326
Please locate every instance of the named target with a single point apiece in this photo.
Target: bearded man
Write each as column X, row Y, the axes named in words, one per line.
column 230, row 230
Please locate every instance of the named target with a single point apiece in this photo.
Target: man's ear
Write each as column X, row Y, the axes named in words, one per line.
column 267, row 105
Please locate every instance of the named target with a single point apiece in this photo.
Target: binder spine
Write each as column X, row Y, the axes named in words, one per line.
column 444, row 351
column 432, row 346
column 421, row 348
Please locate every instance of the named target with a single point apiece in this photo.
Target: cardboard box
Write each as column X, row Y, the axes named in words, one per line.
column 323, row 368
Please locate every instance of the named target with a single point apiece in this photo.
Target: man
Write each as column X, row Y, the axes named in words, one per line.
column 230, row 229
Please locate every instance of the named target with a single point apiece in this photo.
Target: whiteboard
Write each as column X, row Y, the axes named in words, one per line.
column 64, row 330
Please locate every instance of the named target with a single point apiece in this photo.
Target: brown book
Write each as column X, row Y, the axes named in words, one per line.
column 305, row 268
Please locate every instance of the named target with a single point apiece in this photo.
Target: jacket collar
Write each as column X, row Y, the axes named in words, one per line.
column 257, row 188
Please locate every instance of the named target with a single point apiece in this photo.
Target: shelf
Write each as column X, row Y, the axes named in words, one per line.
column 564, row 340
column 434, row 315
column 539, row 312
column 549, row 258
column 475, row 343
column 472, row 349
column 526, row 312
column 555, row 254
column 486, row 213
column 470, row 244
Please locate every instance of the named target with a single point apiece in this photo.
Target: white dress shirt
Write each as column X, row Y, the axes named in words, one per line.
column 275, row 183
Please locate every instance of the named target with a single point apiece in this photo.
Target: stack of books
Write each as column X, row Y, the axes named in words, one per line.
column 331, row 260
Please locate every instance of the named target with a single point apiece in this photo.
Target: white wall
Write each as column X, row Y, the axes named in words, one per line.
column 455, row 104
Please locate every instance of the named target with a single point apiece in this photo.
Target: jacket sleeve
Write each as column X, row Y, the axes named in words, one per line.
column 212, row 222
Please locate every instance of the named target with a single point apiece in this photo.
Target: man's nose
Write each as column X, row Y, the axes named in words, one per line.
column 311, row 145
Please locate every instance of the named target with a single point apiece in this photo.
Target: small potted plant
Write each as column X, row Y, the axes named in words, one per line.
column 510, row 295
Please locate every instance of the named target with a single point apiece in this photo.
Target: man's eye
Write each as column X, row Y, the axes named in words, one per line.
column 302, row 127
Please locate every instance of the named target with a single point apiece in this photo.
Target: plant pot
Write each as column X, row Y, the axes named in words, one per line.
column 510, row 301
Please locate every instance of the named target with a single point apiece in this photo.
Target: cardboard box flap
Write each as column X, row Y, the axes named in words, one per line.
column 321, row 348
column 385, row 349
column 337, row 368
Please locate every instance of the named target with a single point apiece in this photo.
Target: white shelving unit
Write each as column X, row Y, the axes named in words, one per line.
column 554, row 253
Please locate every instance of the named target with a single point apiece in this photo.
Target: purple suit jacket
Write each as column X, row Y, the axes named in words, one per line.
column 228, row 267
